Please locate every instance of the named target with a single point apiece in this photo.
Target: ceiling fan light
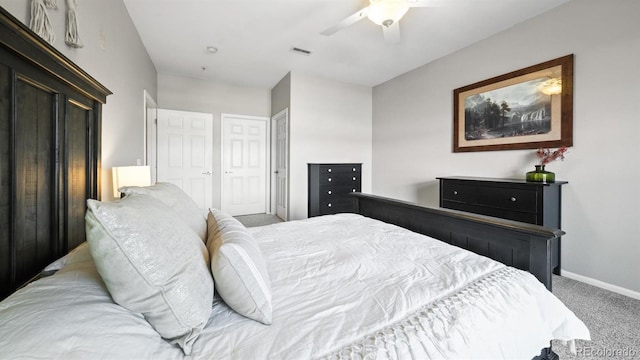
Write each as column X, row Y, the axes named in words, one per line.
column 387, row 12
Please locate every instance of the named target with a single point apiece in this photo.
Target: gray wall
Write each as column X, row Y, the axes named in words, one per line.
column 180, row 93
column 412, row 131
column 114, row 55
column 412, row 118
column 281, row 95
column 329, row 121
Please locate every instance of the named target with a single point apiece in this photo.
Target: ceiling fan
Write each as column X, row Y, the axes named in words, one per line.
column 386, row 13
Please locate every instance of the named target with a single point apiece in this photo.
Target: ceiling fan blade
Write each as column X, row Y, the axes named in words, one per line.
column 346, row 22
column 392, row 33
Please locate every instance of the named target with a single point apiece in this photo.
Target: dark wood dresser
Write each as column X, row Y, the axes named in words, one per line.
column 329, row 186
column 529, row 202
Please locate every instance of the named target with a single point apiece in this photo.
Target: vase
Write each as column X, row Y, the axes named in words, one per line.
column 541, row 175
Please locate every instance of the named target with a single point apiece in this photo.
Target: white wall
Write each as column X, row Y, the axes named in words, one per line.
column 114, row 55
column 180, row 93
column 329, row 122
column 412, row 130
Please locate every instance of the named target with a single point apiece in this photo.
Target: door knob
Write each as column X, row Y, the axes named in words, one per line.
column 207, row 173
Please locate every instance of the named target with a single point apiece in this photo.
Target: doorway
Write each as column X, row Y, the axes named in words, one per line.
column 280, row 161
column 150, row 140
column 185, row 153
column 244, row 164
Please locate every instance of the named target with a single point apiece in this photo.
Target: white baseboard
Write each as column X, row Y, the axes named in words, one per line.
column 601, row 284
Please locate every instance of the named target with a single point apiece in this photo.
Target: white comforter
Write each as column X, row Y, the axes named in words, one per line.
column 343, row 286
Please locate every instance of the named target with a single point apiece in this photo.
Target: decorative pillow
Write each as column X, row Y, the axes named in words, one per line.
column 238, row 267
column 152, row 263
column 78, row 252
column 172, row 196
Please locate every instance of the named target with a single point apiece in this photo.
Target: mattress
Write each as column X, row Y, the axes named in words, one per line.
column 343, row 286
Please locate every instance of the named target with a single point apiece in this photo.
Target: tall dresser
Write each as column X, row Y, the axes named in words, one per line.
column 329, row 186
column 50, row 120
column 529, row 202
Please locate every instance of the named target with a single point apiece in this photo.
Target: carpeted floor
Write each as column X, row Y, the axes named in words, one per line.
column 258, row 219
column 612, row 319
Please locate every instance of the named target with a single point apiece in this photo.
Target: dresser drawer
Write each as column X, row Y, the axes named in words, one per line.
column 528, row 217
column 339, row 169
column 337, row 205
column 339, row 179
column 506, row 198
column 333, row 191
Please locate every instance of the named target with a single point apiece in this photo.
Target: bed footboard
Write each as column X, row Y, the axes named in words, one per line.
column 521, row 245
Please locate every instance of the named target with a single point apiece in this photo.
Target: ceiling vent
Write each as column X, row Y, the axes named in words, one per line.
column 300, row 51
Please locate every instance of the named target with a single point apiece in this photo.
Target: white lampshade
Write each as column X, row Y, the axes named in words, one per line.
column 387, row 12
column 130, row 176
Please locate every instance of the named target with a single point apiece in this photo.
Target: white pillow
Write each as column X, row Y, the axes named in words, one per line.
column 78, row 252
column 152, row 263
column 238, row 267
column 172, row 196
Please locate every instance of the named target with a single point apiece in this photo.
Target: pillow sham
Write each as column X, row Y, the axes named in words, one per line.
column 238, row 267
column 78, row 251
column 152, row 263
column 175, row 198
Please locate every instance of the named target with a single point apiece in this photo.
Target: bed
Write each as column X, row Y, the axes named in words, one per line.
column 340, row 286
column 157, row 279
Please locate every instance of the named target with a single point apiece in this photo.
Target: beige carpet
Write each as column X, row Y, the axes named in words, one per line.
column 612, row 319
column 258, row 219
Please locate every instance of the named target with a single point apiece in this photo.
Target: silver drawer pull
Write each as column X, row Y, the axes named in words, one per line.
column 455, row 192
column 329, row 205
column 329, row 170
column 513, row 199
column 329, row 192
column 329, row 179
column 354, row 169
column 354, row 178
column 353, row 190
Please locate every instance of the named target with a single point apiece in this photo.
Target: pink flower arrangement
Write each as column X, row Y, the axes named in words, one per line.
column 546, row 156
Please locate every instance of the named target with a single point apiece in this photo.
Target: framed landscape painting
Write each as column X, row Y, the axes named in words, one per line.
column 525, row 109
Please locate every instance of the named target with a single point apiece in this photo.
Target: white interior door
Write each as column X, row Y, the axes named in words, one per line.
column 244, row 164
column 185, row 153
column 281, row 121
column 150, row 116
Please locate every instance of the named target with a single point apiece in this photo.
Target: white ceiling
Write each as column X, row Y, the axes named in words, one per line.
column 254, row 37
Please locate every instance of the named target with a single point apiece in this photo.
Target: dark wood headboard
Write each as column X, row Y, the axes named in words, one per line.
column 50, row 121
column 521, row 245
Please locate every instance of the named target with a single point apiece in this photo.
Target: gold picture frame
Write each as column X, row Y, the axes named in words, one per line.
column 525, row 109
